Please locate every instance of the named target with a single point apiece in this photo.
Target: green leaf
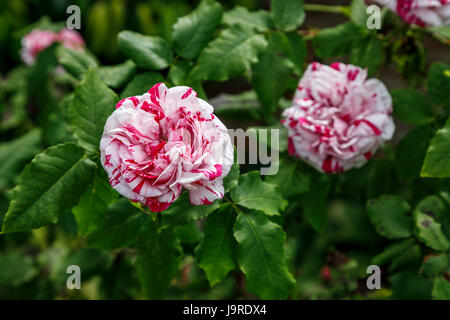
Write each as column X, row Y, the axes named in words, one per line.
column 251, row 192
column 287, row 14
column 393, row 250
column 229, row 55
column 442, row 33
column 338, row 40
column 178, row 75
column 158, row 258
column 381, row 178
column 146, row 51
column 409, row 285
column 433, row 206
column 411, row 151
column 117, row 236
column 16, row 269
column 179, row 71
column 271, row 74
column 216, row 252
column 182, row 212
column 441, row 289
column 428, row 229
column 438, row 83
column 410, row 257
column 15, row 154
column 188, row 234
column 259, row 20
column 437, row 159
column 291, row 181
column 367, row 53
column 120, row 227
column 231, row 180
column 90, row 212
column 75, row 62
column 412, row 107
column 193, row 31
column 51, row 184
column 92, row 103
column 434, row 266
column 296, row 52
column 261, row 256
column 68, row 223
column 141, row 83
column 239, row 106
column 14, row 111
column 117, row 76
column 401, row 254
column 266, row 140
column 358, row 12
column 38, row 75
column 314, row 202
column 391, row 217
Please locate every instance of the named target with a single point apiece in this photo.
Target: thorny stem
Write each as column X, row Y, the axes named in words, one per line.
column 308, row 34
column 153, row 215
column 327, row 8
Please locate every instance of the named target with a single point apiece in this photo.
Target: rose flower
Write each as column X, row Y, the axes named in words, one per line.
column 424, row 13
column 38, row 40
column 339, row 118
column 70, row 39
column 156, row 144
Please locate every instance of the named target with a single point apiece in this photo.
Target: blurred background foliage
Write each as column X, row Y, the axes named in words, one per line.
column 330, row 264
column 101, row 20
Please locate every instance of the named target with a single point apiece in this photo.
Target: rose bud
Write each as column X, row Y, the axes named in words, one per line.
column 339, row 118
column 156, row 144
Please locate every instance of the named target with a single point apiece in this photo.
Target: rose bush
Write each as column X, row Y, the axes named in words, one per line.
column 120, row 165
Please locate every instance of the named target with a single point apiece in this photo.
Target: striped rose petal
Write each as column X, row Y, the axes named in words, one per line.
column 424, row 13
column 339, row 118
column 166, row 140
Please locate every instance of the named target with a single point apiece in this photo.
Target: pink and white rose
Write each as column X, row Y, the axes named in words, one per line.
column 71, row 39
column 38, row 40
column 339, row 118
column 424, row 13
column 158, row 143
column 34, row 42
